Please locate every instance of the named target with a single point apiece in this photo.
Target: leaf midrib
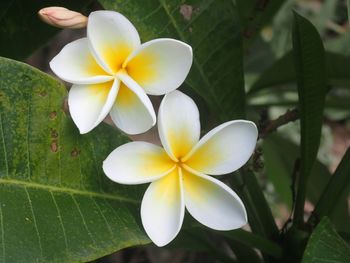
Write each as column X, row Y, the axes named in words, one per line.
column 65, row 190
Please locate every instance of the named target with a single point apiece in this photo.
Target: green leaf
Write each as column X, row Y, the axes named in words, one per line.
column 312, row 87
column 336, row 193
column 212, row 29
column 326, row 246
column 259, row 214
column 21, row 31
column 339, row 44
column 279, row 157
column 254, row 241
column 336, row 65
column 244, row 253
column 56, row 203
column 196, row 238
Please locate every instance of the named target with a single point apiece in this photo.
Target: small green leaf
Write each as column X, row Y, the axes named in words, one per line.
column 312, row 87
column 286, row 74
column 21, row 30
column 212, row 29
column 326, row 246
column 56, row 203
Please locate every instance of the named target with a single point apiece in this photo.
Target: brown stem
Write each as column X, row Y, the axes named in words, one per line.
column 271, row 126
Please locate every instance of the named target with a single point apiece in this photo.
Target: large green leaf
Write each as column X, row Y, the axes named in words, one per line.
column 312, row 87
column 56, row 205
column 326, row 246
column 212, row 29
column 336, row 65
column 21, row 31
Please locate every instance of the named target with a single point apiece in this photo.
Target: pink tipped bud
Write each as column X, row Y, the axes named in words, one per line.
column 62, row 17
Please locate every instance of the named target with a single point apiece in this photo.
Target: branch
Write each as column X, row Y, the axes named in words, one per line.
column 273, row 125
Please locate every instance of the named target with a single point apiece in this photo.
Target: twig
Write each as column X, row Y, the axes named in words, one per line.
column 295, row 176
column 271, row 126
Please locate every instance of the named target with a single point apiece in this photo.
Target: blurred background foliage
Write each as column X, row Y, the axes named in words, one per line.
column 260, row 51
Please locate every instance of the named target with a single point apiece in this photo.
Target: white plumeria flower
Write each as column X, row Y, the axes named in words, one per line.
column 178, row 173
column 112, row 71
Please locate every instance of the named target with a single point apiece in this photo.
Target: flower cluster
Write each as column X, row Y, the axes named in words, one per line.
column 111, row 73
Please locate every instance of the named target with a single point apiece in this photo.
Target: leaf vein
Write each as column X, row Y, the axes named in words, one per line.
column 121, row 219
column 27, row 136
column 83, row 219
column 4, row 146
column 61, row 222
column 66, row 190
column 151, row 13
column 2, row 234
column 34, row 221
column 94, row 156
column 104, row 218
column 195, row 62
column 199, row 14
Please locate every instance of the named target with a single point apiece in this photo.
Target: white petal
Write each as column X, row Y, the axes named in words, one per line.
column 130, row 114
column 163, row 209
column 112, row 38
column 90, row 104
column 133, row 111
column 224, row 149
column 160, row 65
column 137, row 163
column 178, row 124
column 75, row 64
column 212, row 202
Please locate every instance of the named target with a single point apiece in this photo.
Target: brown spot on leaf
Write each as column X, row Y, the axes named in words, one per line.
column 54, row 146
column 53, row 115
column 65, row 106
column 75, row 152
column 186, row 11
column 54, row 133
column 43, row 93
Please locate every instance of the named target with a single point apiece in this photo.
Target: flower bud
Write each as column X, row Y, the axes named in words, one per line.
column 62, row 17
